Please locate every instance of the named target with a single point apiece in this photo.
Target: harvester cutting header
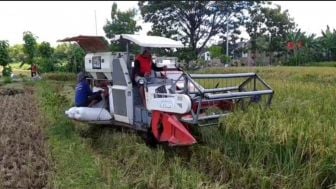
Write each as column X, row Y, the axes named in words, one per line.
column 158, row 96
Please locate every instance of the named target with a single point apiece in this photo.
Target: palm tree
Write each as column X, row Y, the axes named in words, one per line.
column 311, row 47
column 329, row 42
column 295, row 44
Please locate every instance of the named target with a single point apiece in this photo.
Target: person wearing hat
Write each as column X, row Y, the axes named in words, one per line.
column 84, row 95
column 143, row 66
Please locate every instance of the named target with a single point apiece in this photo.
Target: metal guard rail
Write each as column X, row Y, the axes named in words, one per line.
column 234, row 93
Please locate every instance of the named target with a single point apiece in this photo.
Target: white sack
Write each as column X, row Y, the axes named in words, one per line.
column 71, row 112
column 89, row 114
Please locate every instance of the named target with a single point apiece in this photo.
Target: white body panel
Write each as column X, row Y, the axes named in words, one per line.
column 110, row 100
column 102, row 63
column 129, row 104
column 173, row 103
column 122, row 95
column 162, row 61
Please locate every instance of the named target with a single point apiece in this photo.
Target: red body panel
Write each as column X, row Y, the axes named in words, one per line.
column 167, row 128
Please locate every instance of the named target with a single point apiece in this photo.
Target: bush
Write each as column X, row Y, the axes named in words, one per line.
column 7, row 70
column 224, row 59
column 60, row 76
column 45, row 64
column 7, row 80
column 200, row 62
column 61, row 66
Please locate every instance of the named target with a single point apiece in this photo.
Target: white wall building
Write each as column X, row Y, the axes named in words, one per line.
column 205, row 56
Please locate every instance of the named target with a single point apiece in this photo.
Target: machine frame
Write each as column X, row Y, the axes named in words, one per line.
column 181, row 102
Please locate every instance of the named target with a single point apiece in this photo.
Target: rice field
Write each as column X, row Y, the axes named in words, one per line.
column 289, row 145
column 24, row 157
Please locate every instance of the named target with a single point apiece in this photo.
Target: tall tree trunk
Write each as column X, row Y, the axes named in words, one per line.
column 75, row 64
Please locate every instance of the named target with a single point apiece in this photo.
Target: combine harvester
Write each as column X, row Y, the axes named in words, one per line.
column 176, row 101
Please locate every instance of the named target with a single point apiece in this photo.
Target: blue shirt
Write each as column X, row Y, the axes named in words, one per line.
column 83, row 91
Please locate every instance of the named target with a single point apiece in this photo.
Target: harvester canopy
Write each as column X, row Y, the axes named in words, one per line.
column 91, row 44
column 150, row 41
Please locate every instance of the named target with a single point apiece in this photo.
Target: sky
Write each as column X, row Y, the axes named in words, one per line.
column 54, row 20
column 311, row 16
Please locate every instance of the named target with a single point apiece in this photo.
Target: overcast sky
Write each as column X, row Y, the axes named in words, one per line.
column 52, row 20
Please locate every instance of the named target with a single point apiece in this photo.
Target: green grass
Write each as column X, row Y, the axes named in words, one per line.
column 60, row 76
column 7, row 80
column 75, row 166
column 290, row 145
column 322, row 64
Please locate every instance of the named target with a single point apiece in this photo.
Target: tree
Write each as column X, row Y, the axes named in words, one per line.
column 45, row 50
column 274, row 22
column 294, row 47
column 193, row 22
column 303, row 48
column 69, row 57
column 328, row 41
column 312, row 48
column 30, row 47
column 121, row 23
column 61, row 54
column 61, row 51
column 46, row 58
column 16, row 53
column 255, row 26
column 234, row 47
column 278, row 24
column 76, row 58
column 4, row 58
column 217, row 51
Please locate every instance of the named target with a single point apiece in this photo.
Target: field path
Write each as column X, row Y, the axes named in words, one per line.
column 24, row 161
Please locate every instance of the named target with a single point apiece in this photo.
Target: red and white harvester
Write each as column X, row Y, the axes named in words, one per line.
column 176, row 101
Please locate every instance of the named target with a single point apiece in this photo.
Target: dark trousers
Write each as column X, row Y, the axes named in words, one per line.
column 95, row 96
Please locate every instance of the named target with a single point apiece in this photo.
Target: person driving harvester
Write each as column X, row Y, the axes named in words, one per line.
column 143, row 66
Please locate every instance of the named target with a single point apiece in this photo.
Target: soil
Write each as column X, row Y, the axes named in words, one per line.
column 24, row 161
